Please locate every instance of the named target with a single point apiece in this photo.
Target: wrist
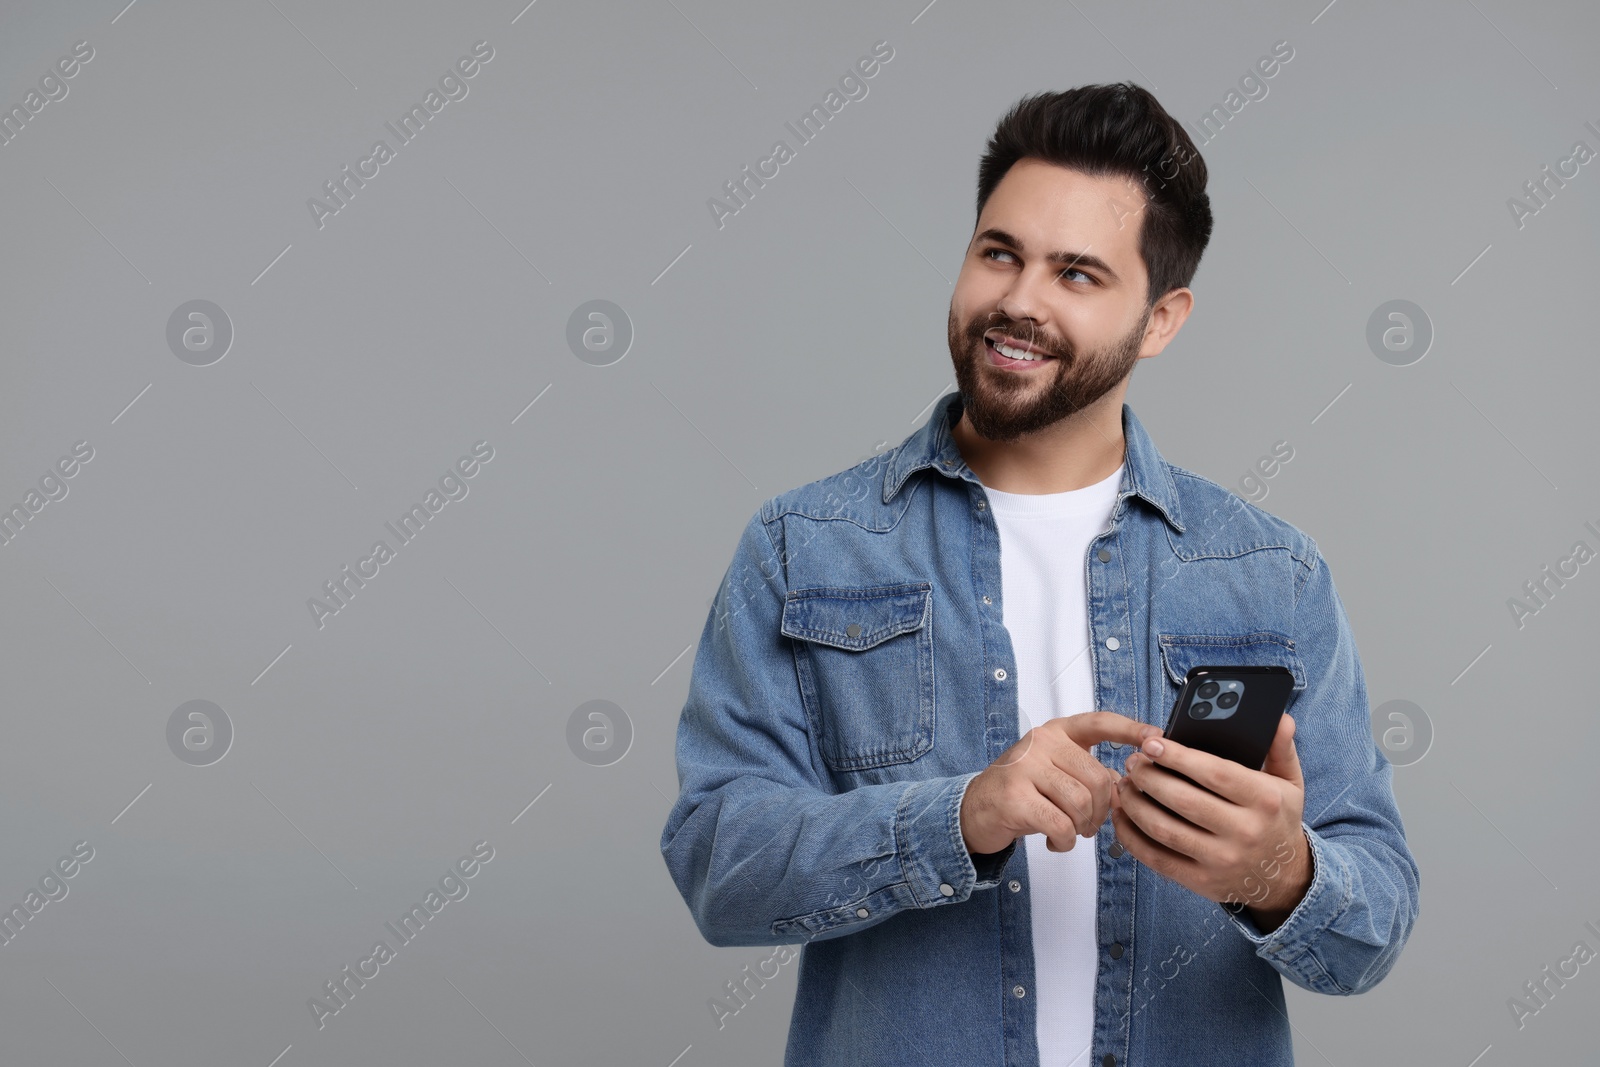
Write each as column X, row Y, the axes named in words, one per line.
column 1287, row 890
column 983, row 843
column 979, row 837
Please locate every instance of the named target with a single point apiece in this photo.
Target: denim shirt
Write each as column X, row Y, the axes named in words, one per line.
column 854, row 675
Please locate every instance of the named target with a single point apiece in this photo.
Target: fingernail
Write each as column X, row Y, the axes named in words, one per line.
column 1154, row 747
column 1149, row 731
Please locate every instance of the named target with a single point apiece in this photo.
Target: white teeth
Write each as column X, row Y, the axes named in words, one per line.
column 1017, row 353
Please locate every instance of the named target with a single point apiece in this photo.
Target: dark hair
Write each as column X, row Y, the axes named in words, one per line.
column 1116, row 129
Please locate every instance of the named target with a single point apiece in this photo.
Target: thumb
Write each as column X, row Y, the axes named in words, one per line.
column 1093, row 727
column 1282, row 759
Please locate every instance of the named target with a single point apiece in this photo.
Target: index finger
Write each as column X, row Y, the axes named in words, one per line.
column 1229, row 780
column 1095, row 726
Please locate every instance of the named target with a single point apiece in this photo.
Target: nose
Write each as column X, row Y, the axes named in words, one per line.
column 1023, row 302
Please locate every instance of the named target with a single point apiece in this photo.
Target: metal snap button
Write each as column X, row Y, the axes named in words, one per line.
column 1103, row 556
column 999, row 674
column 853, row 630
column 1018, row 992
column 861, row 913
column 1116, row 851
column 986, row 600
column 1116, row 951
column 1113, row 644
column 947, row 889
column 1016, row 886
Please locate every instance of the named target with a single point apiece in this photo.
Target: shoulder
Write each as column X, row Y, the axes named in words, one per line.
column 1217, row 522
column 853, row 495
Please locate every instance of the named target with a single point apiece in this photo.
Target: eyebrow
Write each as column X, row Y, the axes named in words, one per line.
column 1060, row 259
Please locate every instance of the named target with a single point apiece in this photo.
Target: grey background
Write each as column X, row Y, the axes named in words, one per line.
column 431, row 311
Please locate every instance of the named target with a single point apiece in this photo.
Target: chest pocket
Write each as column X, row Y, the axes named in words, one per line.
column 1268, row 648
column 865, row 663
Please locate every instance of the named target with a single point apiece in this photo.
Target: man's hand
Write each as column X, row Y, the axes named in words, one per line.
column 1242, row 842
column 1047, row 783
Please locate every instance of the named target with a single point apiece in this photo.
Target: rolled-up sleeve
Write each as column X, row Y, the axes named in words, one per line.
column 1349, row 927
column 761, row 846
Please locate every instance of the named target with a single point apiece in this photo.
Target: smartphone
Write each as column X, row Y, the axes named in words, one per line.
column 1231, row 712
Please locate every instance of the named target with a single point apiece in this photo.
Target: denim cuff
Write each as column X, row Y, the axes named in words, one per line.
column 1325, row 899
column 934, row 859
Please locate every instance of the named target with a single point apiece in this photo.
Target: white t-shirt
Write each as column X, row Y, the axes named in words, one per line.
column 1044, row 540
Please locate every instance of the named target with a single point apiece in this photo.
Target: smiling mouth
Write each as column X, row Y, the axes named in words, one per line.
column 1004, row 352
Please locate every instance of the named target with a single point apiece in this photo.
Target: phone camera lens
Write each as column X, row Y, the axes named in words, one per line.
column 1208, row 690
column 1227, row 700
column 1200, row 710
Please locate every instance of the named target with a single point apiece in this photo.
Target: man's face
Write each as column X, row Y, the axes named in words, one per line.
column 1085, row 309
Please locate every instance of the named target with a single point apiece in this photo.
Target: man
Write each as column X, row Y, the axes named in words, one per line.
column 972, row 640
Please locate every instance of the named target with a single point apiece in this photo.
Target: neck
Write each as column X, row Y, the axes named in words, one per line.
column 1080, row 450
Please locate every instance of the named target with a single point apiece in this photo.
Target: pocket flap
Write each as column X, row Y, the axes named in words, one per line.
column 1179, row 652
column 856, row 619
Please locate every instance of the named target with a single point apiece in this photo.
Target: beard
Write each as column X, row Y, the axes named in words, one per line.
column 1002, row 405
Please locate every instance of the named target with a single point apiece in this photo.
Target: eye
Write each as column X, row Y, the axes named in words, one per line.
column 1088, row 279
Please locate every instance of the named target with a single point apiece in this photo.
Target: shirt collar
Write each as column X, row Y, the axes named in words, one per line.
column 932, row 446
